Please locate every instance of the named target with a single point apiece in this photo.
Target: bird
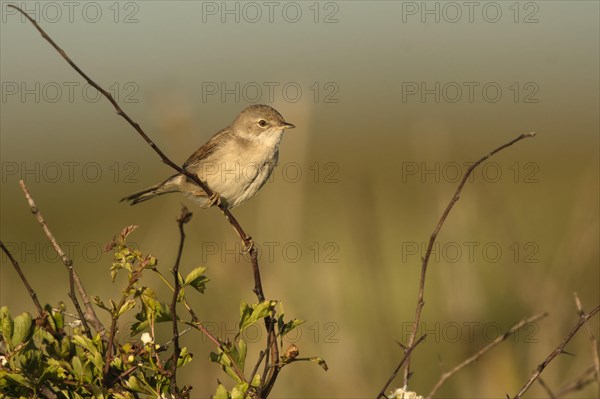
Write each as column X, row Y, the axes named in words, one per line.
column 235, row 162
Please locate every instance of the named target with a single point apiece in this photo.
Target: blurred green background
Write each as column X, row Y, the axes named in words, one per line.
column 391, row 100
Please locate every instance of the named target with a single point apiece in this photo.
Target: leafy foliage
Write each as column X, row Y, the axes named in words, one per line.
column 49, row 357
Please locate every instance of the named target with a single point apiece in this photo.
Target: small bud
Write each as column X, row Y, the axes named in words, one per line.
column 130, row 358
column 292, row 352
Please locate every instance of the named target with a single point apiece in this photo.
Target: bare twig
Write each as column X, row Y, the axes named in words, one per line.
column 425, row 261
column 30, row 290
column 546, row 388
column 90, row 315
column 586, row 378
column 593, row 340
column 197, row 324
column 261, row 355
column 407, row 352
column 446, row 375
column 185, row 217
column 274, row 352
column 133, row 278
column 559, row 349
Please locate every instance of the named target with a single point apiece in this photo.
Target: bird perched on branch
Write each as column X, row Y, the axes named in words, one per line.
column 235, row 163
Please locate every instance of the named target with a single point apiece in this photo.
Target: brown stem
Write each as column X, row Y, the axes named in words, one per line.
column 90, row 315
column 113, row 325
column 30, row 290
column 593, row 340
column 586, row 378
column 551, row 394
column 446, row 375
column 407, row 352
column 559, row 349
column 425, row 262
column 274, row 352
column 185, row 217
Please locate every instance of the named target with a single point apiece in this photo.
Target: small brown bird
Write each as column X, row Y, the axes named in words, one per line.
column 235, row 163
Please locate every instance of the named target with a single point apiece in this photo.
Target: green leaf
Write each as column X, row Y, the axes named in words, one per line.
column 242, row 351
column 245, row 312
column 221, row 393
column 226, row 365
column 320, row 362
column 101, row 304
column 19, row 379
column 197, row 279
column 77, row 367
column 184, row 357
column 7, row 324
column 126, row 306
column 59, row 320
column 239, row 391
column 256, row 381
column 141, row 386
column 22, row 328
column 259, row 311
column 289, row 326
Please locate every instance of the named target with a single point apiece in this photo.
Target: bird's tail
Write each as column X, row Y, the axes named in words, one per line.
column 149, row 193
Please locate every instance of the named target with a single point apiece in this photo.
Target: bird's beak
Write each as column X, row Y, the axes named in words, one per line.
column 288, row 125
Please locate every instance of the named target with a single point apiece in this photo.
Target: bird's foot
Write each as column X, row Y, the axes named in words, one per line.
column 248, row 245
column 214, row 199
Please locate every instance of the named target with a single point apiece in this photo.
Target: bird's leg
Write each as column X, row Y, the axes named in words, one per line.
column 248, row 244
column 214, row 199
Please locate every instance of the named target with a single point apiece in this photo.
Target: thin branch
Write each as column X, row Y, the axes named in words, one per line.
column 274, row 352
column 261, row 355
column 425, row 262
column 185, row 217
column 407, row 353
column 593, row 340
column 30, row 290
column 559, row 349
column 90, row 315
column 546, row 388
column 133, row 278
column 586, row 378
column 197, row 324
column 446, row 375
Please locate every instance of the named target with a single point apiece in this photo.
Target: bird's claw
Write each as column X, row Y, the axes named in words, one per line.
column 214, row 199
column 248, row 245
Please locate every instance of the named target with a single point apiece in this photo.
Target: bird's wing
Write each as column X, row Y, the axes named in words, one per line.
column 207, row 148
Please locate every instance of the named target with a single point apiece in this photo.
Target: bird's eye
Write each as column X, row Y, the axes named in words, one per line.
column 262, row 123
